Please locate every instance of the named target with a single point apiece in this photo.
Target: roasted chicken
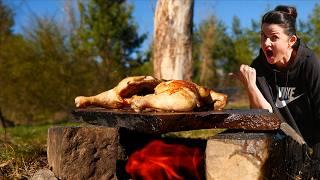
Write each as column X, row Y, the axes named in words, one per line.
column 145, row 93
column 179, row 95
column 209, row 97
column 120, row 95
column 176, row 95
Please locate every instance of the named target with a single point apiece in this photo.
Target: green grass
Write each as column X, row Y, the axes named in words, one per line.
column 195, row 134
column 23, row 150
column 239, row 104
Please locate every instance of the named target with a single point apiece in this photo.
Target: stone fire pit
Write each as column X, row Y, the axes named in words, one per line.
column 251, row 148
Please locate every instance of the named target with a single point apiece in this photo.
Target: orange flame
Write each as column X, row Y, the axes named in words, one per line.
column 165, row 161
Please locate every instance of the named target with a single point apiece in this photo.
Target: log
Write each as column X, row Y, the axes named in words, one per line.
column 83, row 152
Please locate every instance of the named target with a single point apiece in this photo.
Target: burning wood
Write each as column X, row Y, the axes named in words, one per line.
column 165, row 161
column 148, row 93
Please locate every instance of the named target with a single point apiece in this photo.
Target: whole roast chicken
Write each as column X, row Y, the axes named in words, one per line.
column 146, row 93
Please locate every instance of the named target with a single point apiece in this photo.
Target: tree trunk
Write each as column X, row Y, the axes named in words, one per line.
column 172, row 48
column 207, row 69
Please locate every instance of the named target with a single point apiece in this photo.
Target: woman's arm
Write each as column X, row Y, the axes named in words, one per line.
column 247, row 75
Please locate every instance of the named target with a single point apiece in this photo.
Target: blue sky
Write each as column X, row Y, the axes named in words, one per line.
column 143, row 13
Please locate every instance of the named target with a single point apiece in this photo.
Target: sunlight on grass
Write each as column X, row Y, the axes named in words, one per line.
column 240, row 103
column 23, row 150
column 195, row 134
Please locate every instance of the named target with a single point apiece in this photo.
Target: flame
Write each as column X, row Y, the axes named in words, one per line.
column 158, row 160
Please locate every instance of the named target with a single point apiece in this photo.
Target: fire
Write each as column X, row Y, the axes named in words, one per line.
column 158, row 160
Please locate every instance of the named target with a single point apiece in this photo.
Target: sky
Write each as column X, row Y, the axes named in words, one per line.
column 143, row 13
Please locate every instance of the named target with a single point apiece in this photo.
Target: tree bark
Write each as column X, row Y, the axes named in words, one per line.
column 172, row 48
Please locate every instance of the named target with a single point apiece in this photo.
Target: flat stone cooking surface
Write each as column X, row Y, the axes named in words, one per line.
column 163, row 122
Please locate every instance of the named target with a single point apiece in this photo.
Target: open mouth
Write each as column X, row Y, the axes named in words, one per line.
column 269, row 53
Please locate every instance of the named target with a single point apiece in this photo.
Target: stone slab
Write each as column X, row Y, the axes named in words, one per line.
column 163, row 122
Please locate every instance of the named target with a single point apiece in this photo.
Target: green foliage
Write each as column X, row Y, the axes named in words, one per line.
column 206, row 64
column 6, row 21
column 35, row 74
column 212, row 41
column 226, row 51
column 44, row 69
column 314, row 30
column 108, row 36
column 253, row 36
column 243, row 53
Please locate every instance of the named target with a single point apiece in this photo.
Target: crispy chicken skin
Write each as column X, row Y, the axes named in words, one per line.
column 175, row 95
column 120, row 95
column 180, row 96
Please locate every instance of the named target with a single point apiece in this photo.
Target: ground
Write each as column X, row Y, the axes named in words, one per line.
column 23, row 150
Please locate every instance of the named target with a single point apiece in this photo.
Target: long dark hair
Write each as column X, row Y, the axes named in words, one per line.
column 284, row 16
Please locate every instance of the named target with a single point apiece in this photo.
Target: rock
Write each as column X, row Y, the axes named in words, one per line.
column 237, row 156
column 44, row 174
column 83, row 152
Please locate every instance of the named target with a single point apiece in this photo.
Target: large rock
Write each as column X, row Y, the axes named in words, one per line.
column 239, row 156
column 44, row 174
column 83, row 152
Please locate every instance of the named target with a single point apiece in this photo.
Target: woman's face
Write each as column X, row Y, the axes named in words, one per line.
column 276, row 45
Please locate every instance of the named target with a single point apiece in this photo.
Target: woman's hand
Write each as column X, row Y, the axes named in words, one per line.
column 247, row 75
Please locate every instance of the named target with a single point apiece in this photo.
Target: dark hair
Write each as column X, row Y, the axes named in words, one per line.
column 284, row 16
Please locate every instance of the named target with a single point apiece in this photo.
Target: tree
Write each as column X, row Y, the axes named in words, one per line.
column 6, row 21
column 107, row 36
column 6, row 24
column 35, row 75
column 253, row 35
column 172, row 48
column 243, row 54
column 207, row 32
column 212, row 42
column 314, row 29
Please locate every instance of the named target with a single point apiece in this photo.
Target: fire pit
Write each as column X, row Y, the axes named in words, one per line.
column 250, row 147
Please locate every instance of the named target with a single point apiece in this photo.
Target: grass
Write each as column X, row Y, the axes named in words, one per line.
column 240, row 102
column 195, row 134
column 23, row 150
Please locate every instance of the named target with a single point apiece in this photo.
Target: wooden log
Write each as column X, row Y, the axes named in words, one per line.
column 83, row 152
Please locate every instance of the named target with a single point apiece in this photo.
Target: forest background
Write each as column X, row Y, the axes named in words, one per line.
column 44, row 68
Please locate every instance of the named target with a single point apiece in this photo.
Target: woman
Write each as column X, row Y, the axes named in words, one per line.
column 285, row 77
